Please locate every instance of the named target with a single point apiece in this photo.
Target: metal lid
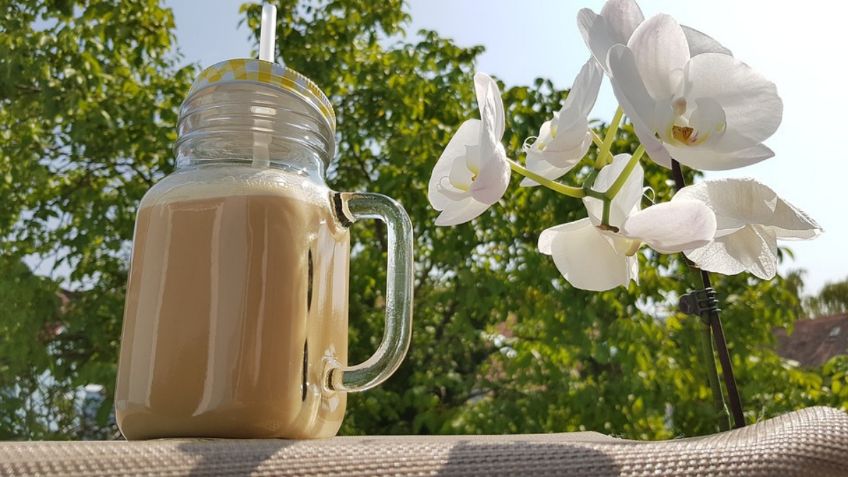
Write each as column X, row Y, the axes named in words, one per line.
column 264, row 72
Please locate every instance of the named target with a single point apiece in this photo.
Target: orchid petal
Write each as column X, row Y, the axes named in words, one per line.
column 451, row 191
column 751, row 104
column 586, row 258
column 584, row 92
column 734, row 202
column 699, row 42
column 709, row 120
column 661, row 52
column 541, row 163
column 467, row 135
column 638, row 103
column 741, row 202
column 490, row 104
column 622, row 17
column 672, row 226
column 750, row 218
column 654, row 149
column 461, row 212
column 792, row 223
column 561, row 155
column 751, row 248
column 546, row 133
column 634, row 99
column 615, row 25
column 626, row 200
column 492, row 181
column 708, row 160
column 572, row 139
column 461, row 175
column 596, row 34
column 564, row 140
column 544, row 138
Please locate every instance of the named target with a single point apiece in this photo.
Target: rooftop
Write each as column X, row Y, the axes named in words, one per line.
column 813, row 342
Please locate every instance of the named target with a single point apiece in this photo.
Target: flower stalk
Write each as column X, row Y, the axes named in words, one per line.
column 597, row 139
column 619, row 182
column 570, row 191
column 612, row 131
column 608, row 195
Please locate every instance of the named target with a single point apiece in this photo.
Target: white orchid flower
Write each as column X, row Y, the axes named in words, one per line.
column 592, row 257
column 473, row 172
column 709, row 111
column 588, row 258
column 564, row 140
column 617, row 22
column 750, row 219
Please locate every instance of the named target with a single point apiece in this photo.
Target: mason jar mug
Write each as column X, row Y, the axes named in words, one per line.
column 236, row 315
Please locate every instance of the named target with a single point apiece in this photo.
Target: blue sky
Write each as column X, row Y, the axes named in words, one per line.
column 795, row 44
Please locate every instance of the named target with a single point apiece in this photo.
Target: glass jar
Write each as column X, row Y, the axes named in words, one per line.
column 236, row 315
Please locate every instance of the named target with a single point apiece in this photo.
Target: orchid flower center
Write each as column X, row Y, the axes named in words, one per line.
column 625, row 245
column 684, row 134
column 542, row 142
column 693, row 126
column 475, row 171
column 464, row 172
column 635, row 245
column 452, row 189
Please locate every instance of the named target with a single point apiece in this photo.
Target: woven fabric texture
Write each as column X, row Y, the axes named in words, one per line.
column 810, row 442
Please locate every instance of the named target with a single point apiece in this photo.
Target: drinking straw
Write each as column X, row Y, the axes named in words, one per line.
column 267, row 37
column 267, row 32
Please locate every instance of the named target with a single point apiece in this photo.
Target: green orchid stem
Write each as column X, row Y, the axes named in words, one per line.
column 612, row 130
column 622, row 178
column 563, row 189
column 716, row 331
column 608, row 195
column 597, row 139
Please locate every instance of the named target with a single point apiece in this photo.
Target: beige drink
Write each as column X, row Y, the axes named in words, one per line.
column 234, row 300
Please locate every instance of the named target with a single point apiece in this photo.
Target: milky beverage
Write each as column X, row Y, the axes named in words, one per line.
column 235, row 323
column 237, row 294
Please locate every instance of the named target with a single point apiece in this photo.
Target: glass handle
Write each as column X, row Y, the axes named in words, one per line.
column 353, row 206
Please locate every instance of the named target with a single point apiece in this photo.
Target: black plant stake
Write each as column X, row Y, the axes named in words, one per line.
column 704, row 304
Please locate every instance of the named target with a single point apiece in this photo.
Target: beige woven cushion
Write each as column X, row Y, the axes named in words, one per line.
column 811, row 442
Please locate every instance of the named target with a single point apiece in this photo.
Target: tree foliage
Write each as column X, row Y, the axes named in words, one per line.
column 832, row 299
column 88, row 101
column 501, row 342
column 28, row 317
